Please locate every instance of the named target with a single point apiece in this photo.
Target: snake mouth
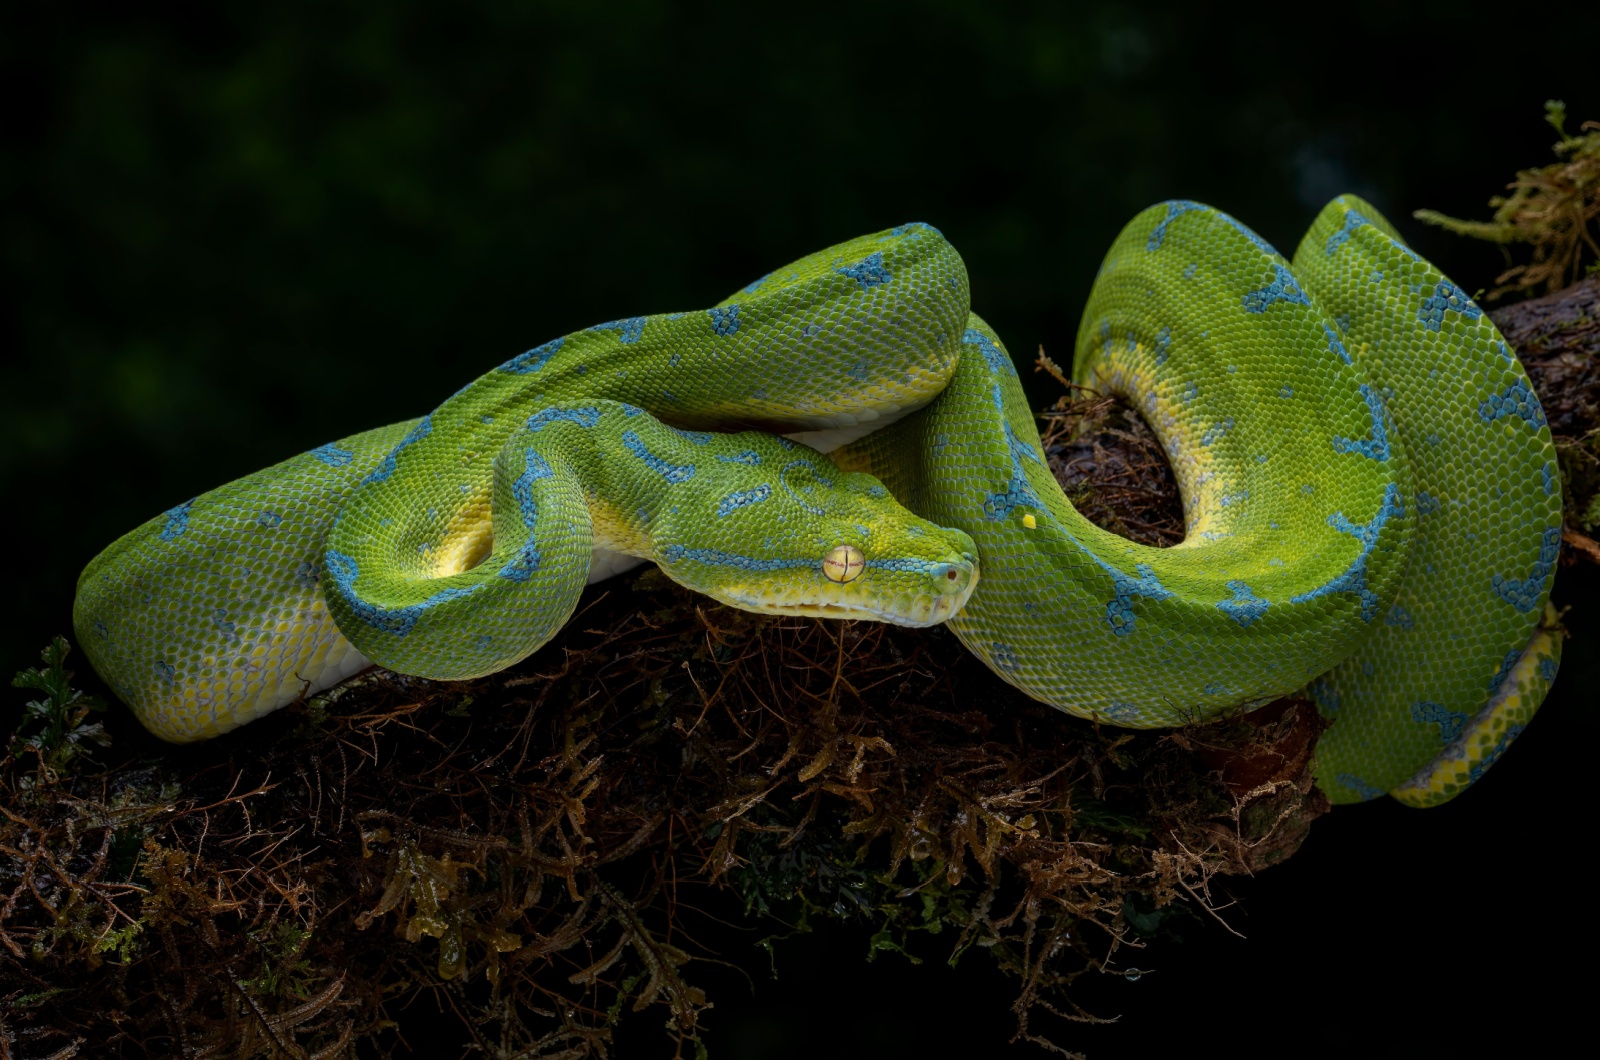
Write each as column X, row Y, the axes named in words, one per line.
column 916, row 610
column 934, row 613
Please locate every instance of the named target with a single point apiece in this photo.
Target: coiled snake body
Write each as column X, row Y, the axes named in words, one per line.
column 1370, row 492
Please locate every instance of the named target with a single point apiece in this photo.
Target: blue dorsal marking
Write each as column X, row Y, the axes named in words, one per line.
column 1359, row 786
column 1021, row 448
column 1163, row 344
column 1399, row 618
column 1377, row 446
column 1119, row 610
column 396, row 620
column 747, row 456
column 1518, row 400
column 1017, row 494
column 520, row 567
column 1505, row 668
column 1352, row 221
column 755, row 285
column 868, row 272
column 915, row 229
column 1246, row 606
column 535, row 468
column 1446, row 296
column 1119, row 614
column 332, row 455
column 1548, row 474
column 1004, row 657
column 423, row 428
column 1124, row 713
column 1249, row 233
column 177, row 521
column 740, row 499
column 913, row 566
column 993, row 355
column 1283, row 288
column 1216, row 430
column 673, row 473
column 1524, row 594
column 1354, row 578
column 725, row 321
column 1335, row 345
column 1175, row 209
column 534, row 359
column 628, row 329
column 1450, row 722
column 718, row 558
column 586, row 416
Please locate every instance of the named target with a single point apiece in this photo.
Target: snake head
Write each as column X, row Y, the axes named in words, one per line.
column 829, row 545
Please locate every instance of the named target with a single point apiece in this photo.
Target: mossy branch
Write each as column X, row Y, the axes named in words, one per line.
column 1550, row 208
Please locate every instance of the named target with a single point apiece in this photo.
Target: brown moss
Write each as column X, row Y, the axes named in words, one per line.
column 524, row 849
column 1110, row 464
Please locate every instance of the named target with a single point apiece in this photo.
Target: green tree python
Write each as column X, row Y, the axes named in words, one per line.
column 1370, row 490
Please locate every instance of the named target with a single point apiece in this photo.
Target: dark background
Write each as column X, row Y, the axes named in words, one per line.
column 230, row 233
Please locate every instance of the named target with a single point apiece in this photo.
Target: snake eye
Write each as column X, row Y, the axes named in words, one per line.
column 843, row 563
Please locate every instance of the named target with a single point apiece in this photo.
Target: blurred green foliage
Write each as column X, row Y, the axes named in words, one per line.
column 231, row 232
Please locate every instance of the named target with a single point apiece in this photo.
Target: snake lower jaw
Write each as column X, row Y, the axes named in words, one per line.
column 918, row 613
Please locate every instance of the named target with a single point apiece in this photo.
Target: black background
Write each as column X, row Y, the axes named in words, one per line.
column 230, row 233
